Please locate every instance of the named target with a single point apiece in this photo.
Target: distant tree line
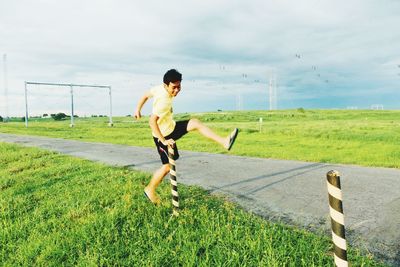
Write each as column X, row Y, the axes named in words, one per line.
column 56, row 116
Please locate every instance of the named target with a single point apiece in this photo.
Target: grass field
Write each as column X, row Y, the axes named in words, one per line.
column 57, row 210
column 360, row 137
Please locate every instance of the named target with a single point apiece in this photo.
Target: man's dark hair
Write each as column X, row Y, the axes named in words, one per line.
column 172, row 76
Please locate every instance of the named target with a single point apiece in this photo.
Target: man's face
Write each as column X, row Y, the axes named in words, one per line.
column 173, row 88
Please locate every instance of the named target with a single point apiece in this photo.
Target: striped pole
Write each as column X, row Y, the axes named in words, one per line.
column 337, row 218
column 174, row 183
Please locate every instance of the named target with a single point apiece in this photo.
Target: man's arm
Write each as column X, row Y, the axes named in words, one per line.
column 140, row 104
column 156, row 130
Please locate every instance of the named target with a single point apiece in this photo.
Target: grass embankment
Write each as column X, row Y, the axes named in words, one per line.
column 57, row 210
column 361, row 137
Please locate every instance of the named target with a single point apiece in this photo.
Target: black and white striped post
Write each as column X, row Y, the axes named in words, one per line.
column 337, row 218
column 174, row 183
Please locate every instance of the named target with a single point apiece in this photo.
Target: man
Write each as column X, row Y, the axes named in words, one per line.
column 166, row 131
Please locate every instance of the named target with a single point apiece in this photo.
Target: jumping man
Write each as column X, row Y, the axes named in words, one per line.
column 166, row 131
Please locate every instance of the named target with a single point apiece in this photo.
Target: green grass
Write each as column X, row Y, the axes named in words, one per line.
column 361, row 137
column 57, row 210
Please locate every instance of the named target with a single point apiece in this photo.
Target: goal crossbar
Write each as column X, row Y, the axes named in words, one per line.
column 69, row 84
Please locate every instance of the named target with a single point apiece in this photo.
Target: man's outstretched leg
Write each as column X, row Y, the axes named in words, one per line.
column 226, row 142
column 158, row 176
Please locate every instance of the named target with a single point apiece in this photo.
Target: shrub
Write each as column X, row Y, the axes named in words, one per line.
column 59, row 116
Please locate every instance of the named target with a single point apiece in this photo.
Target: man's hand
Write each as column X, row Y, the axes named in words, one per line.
column 143, row 100
column 169, row 142
column 137, row 114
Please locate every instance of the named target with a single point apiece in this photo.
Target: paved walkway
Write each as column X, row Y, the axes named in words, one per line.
column 290, row 191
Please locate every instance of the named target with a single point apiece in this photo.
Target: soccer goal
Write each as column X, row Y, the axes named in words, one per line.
column 57, row 94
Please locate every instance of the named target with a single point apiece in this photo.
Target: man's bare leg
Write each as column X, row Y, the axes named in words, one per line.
column 155, row 181
column 195, row 124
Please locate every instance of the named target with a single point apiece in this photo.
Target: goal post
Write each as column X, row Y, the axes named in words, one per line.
column 71, row 87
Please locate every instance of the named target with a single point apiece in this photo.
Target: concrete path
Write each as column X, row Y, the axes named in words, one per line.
column 290, row 191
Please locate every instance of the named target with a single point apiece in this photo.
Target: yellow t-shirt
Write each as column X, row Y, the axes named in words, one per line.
column 162, row 107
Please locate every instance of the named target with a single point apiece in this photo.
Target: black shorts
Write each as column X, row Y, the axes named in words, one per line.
column 179, row 131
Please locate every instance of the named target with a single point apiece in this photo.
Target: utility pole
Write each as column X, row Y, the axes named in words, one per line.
column 6, row 115
column 272, row 92
column 239, row 95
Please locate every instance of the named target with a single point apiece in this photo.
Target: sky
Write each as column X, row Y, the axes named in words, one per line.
column 323, row 54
